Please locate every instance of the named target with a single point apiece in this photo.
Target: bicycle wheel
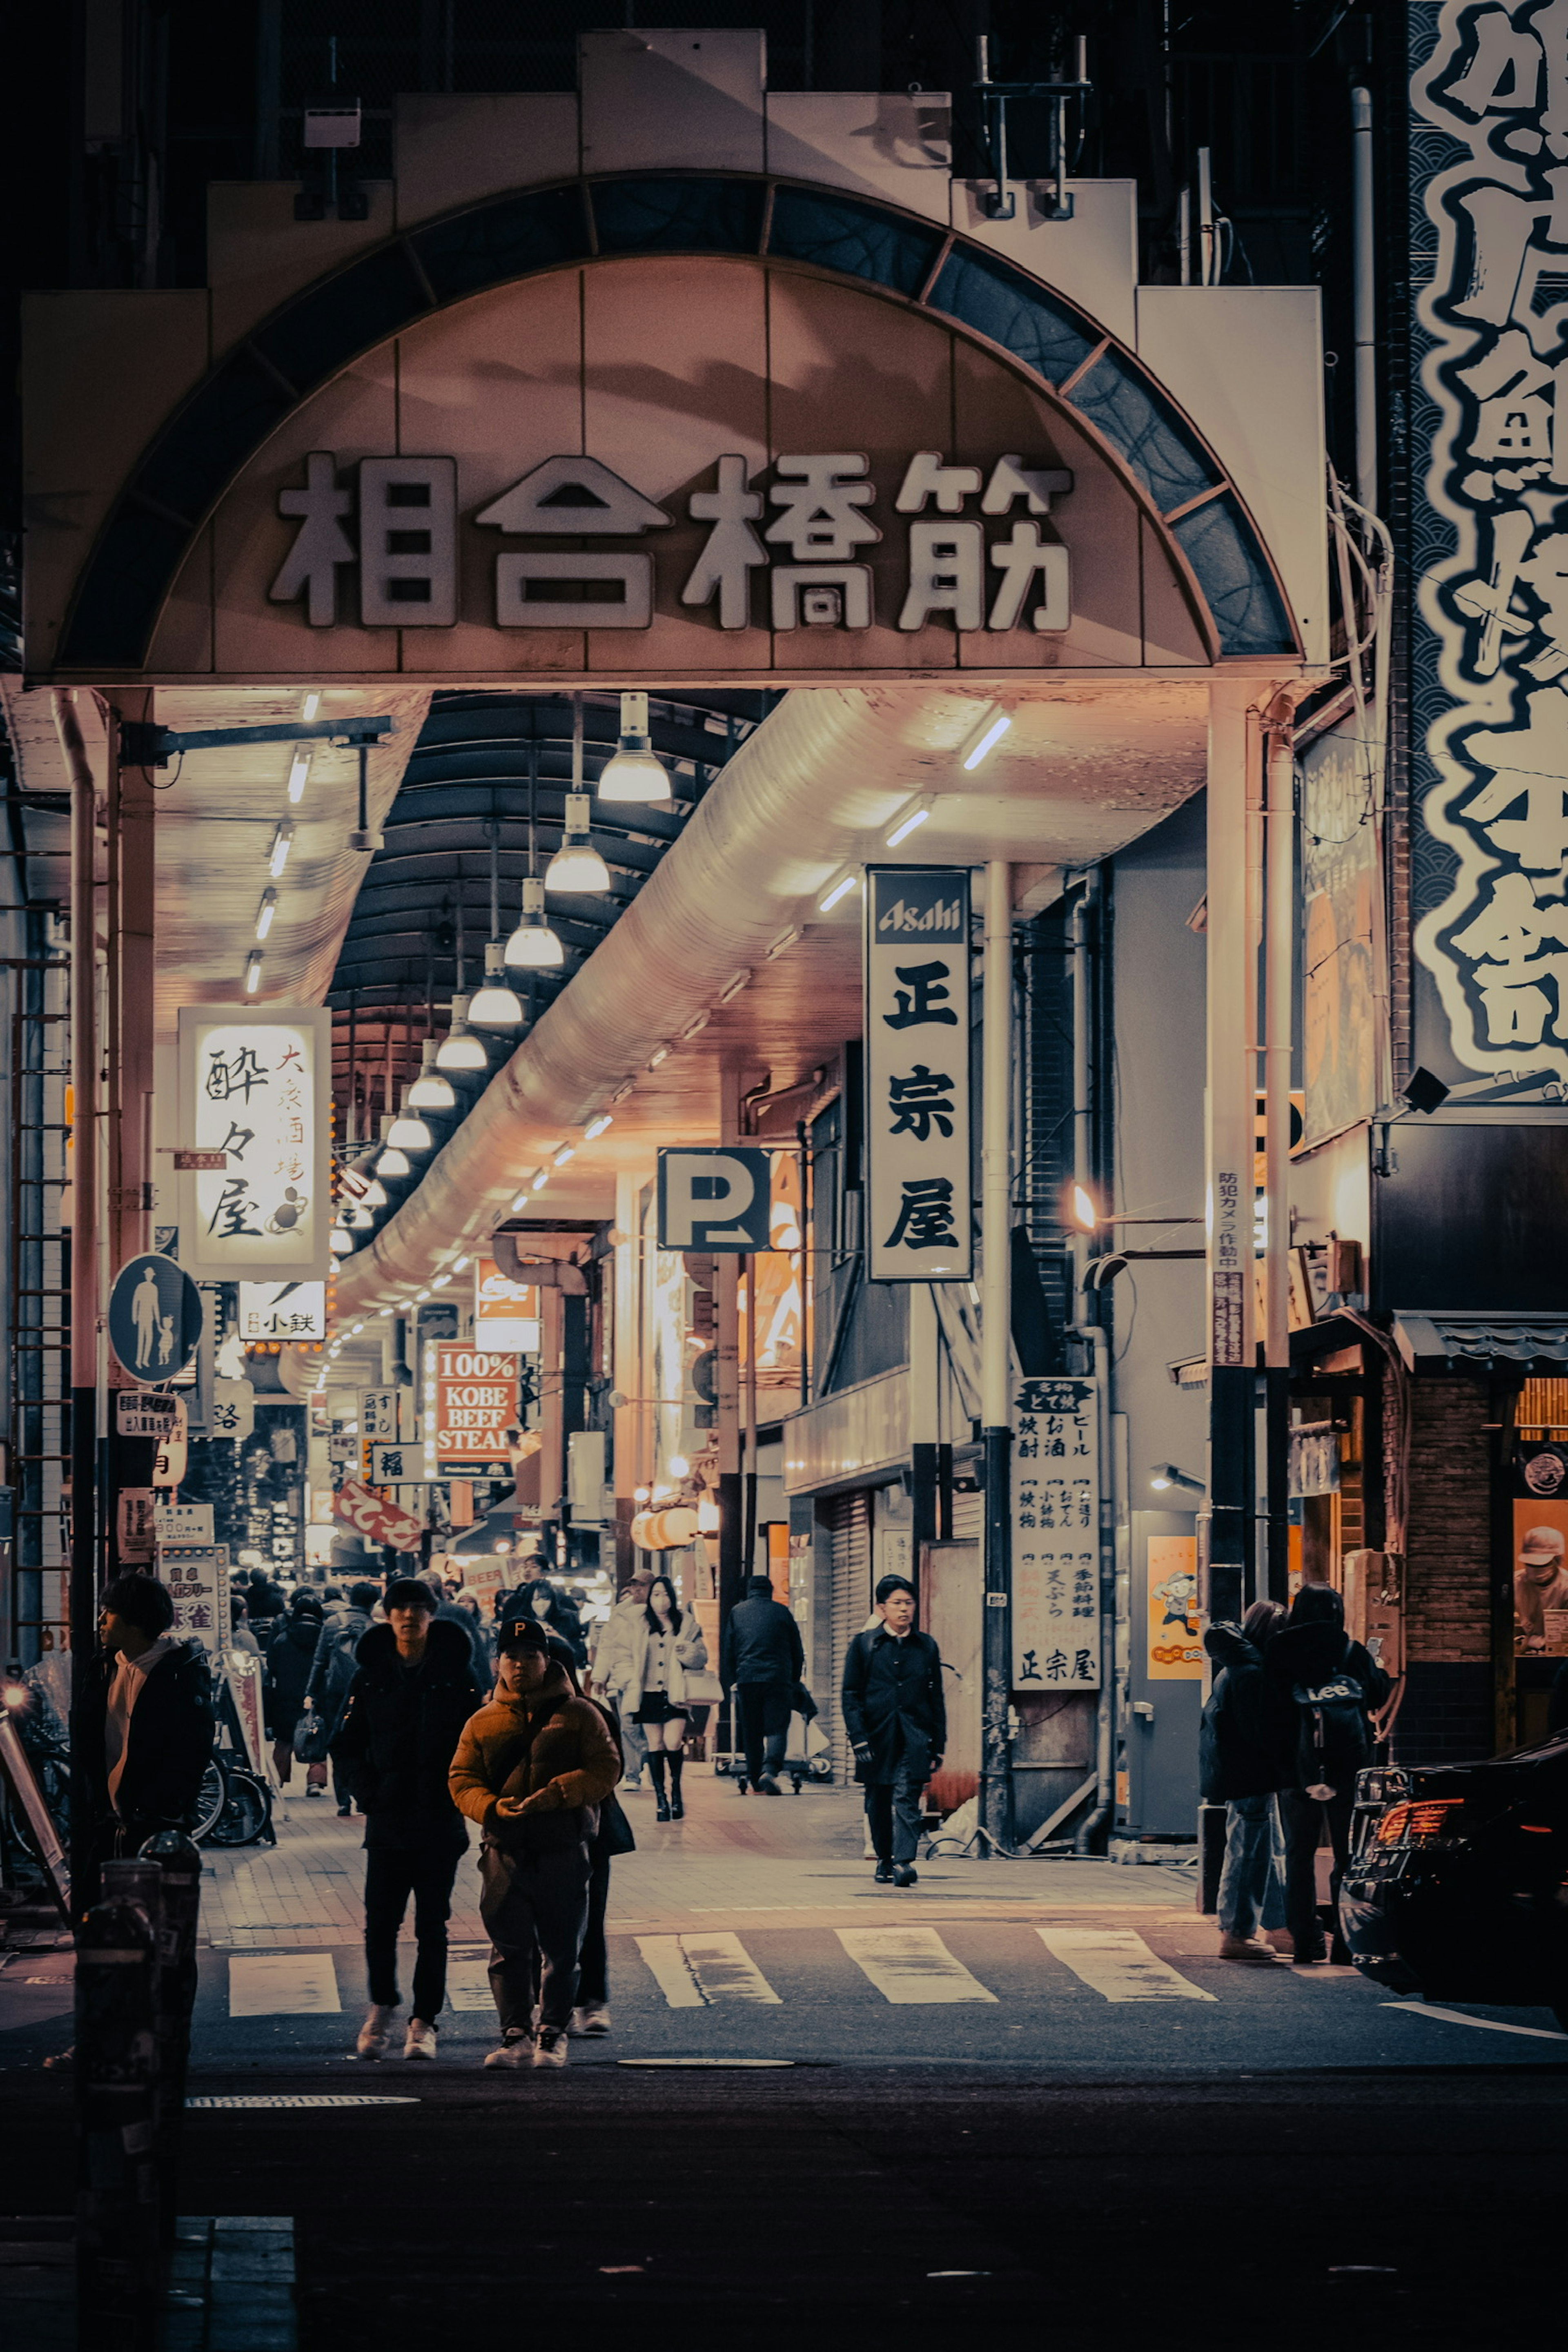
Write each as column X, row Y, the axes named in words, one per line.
column 211, row 1799
column 51, row 1770
column 246, row 1812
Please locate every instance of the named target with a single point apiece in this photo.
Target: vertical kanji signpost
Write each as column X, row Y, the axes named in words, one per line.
column 919, row 1188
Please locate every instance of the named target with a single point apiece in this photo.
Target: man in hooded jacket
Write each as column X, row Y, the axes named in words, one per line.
column 1311, row 1653
column 332, row 1670
column 1238, row 1770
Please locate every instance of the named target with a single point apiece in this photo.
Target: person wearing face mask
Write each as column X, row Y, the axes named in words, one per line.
column 896, row 1718
column 660, row 1649
column 532, row 1769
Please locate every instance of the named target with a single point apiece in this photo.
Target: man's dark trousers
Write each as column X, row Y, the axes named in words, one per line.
column 893, row 1807
column 535, row 1910
column 404, row 1863
column 764, row 1726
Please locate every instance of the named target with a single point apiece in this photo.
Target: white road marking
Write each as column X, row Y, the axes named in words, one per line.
column 1487, row 2024
column 910, row 1966
column 282, row 1984
column 468, row 1985
column 1117, row 1962
column 693, row 1971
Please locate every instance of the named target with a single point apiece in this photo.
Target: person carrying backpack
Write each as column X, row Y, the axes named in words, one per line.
column 1321, row 1692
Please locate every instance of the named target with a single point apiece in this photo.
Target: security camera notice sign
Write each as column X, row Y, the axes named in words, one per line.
column 474, row 1408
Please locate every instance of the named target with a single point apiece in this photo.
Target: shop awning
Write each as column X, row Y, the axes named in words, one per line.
column 1436, row 1342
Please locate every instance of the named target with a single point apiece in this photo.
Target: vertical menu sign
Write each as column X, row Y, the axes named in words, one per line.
column 920, row 1227
column 256, row 1206
column 1056, row 1537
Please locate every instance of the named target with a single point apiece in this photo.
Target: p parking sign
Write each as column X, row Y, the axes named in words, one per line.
column 714, row 1198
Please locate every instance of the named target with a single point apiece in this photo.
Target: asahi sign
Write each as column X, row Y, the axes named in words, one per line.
column 918, row 1182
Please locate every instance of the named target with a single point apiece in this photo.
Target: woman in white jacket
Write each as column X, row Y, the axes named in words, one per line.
column 656, row 1653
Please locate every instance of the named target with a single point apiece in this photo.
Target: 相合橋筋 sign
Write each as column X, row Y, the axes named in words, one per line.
column 918, row 1186
column 154, row 1317
column 474, row 1409
column 784, row 548
column 1056, row 1537
column 253, row 1086
column 715, row 1198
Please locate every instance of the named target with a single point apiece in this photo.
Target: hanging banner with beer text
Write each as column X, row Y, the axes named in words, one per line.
column 1056, row 1537
column 917, row 1180
column 254, row 1106
column 475, row 1405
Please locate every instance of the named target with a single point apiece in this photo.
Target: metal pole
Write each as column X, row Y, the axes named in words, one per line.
column 1364, row 278
column 83, row 1585
column 1229, row 1121
column 733, row 1566
column 1207, row 274
column 1279, row 978
column 995, row 1349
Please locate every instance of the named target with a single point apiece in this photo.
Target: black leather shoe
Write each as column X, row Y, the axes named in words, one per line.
column 677, row 1810
column 884, row 1873
column 904, row 1873
column 661, row 1807
column 768, row 1787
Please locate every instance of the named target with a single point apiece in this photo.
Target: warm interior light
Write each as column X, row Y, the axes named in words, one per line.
column 282, row 842
column 430, row 1091
column 408, row 1132
column 298, row 772
column 731, row 988
column 395, row 1161
column 459, row 1264
column 577, row 865
column 541, row 1181
column 597, row 1125
column 340, row 1242
column 253, row 972
column 460, row 1049
column 496, row 1007
column 660, row 1054
column 992, row 732
column 840, row 890
column 533, row 946
column 680, row 1467
column 707, row 1517
column 310, row 705
column 1085, row 1213
column 266, row 913
column 632, row 772
column 907, row 824
column 567, row 1151
column 375, row 1194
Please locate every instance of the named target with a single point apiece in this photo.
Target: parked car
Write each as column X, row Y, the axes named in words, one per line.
column 1458, row 1883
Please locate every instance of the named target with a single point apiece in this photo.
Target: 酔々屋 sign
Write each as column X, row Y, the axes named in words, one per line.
column 475, row 1405
column 918, row 1186
column 1056, row 1537
column 783, row 548
column 253, row 1086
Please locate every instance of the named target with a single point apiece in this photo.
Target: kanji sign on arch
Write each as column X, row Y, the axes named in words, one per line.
column 475, row 1405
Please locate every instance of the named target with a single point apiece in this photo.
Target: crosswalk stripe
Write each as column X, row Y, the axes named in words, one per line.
column 1117, row 1962
column 910, row 1966
column 468, row 1985
column 282, row 1984
column 693, row 1971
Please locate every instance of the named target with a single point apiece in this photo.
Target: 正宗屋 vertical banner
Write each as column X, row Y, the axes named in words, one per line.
column 1056, row 1537
column 256, row 1120
column 919, row 1221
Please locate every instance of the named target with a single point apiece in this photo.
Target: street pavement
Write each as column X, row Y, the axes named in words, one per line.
column 835, row 2112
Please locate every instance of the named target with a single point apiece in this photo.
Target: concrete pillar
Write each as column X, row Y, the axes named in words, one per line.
column 1229, row 1111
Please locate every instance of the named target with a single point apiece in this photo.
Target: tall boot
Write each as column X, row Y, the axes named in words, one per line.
column 656, row 1766
column 675, row 1761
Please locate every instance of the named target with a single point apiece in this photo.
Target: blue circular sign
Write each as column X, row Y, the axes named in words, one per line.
column 155, row 1316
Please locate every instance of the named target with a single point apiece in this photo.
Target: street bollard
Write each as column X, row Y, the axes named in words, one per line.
column 180, row 1865
column 118, row 2250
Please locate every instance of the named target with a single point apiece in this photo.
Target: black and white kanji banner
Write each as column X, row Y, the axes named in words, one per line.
column 918, row 1186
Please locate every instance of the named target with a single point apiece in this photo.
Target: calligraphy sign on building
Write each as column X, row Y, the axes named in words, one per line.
column 1489, row 437
column 1056, row 1537
column 253, row 1086
column 918, row 1178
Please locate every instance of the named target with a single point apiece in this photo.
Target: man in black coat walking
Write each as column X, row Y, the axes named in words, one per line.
column 761, row 1659
column 145, row 1726
column 896, row 1716
column 413, row 1692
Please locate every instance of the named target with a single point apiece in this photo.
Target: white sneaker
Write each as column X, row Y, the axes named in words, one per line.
column 516, row 2049
column 550, row 2048
column 589, row 2022
column 373, row 2033
column 420, row 2040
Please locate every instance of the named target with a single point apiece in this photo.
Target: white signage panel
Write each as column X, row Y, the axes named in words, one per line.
column 183, row 1523
column 283, row 1310
column 917, row 1176
column 198, row 1578
column 254, row 1086
column 1056, row 1537
column 506, row 1313
column 234, row 1409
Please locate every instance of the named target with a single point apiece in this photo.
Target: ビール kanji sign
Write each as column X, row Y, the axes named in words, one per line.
column 253, row 1084
column 475, row 1405
column 916, row 1074
column 1056, row 1537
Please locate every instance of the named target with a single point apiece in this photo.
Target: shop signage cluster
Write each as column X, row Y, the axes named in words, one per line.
column 973, row 545
column 475, row 1408
column 918, row 1186
column 253, row 1087
column 506, row 1312
column 379, row 1424
column 283, row 1310
column 1056, row 1537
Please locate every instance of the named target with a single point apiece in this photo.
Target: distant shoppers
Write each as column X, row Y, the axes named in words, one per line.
column 240, row 1636
column 531, row 1768
column 1239, row 1771
column 147, row 1724
column 896, row 1718
column 606, row 1666
column 332, row 1670
column 1321, row 1690
column 761, row 1658
column 290, row 1654
column 541, row 1600
column 449, row 1613
column 413, row 1691
column 466, row 1604
column 264, row 1604
column 658, row 1651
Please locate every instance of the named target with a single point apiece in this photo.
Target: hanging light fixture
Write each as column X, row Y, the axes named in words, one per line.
column 632, row 772
column 392, row 1161
column 339, row 1241
column 374, row 1194
column 459, row 1049
column 533, row 946
column 496, row 1007
column 430, row 1091
column 408, row 1131
column 577, row 865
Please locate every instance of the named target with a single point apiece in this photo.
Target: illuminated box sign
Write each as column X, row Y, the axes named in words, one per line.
column 283, row 1310
column 256, row 1205
column 474, row 1406
column 918, row 1186
column 1056, row 1537
column 506, row 1313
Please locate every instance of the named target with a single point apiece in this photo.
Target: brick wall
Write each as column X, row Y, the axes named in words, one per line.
column 1446, row 1716
column 1448, row 1545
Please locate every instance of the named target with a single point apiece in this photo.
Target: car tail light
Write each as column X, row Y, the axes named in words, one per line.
column 1425, row 1822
